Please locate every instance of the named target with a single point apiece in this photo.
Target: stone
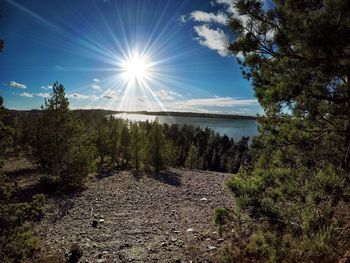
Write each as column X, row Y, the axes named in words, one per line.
column 190, row 230
column 173, row 239
column 94, row 223
column 211, row 247
column 123, row 246
column 75, row 254
column 204, row 199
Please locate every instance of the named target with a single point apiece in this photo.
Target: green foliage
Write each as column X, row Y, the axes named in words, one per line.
column 62, row 146
column 16, row 240
column 193, row 160
column 295, row 188
column 157, row 147
column 137, row 146
column 125, row 146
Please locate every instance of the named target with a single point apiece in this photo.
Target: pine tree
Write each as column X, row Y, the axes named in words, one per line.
column 193, row 160
column 114, row 139
column 297, row 55
column 157, row 144
column 102, row 139
column 62, row 147
column 137, row 146
column 125, row 145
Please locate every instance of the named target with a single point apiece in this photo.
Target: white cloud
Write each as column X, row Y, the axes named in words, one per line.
column 215, row 39
column 232, row 10
column 43, row 95
column 46, row 88
column 217, row 102
column 201, row 16
column 96, row 80
column 183, row 18
column 166, row 94
column 79, row 96
column 26, row 94
column 96, row 87
column 15, row 84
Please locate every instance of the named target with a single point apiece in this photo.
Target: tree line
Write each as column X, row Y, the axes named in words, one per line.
column 67, row 145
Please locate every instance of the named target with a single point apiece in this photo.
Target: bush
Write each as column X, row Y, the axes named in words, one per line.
column 17, row 242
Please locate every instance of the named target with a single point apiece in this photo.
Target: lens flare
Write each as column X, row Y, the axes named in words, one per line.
column 136, row 67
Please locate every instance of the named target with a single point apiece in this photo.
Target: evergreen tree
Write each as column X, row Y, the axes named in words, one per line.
column 137, row 146
column 193, row 160
column 102, row 139
column 157, row 147
column 114, row 138
column 297, row 55
column 125, row 145
column 62, row 147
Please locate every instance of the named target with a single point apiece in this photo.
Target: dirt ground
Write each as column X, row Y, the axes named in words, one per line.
column 165, row 217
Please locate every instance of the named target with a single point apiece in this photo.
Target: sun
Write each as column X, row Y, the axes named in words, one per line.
column 136, row 67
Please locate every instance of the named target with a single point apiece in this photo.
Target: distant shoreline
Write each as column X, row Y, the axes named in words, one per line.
column 192, row 114
column 163, row 113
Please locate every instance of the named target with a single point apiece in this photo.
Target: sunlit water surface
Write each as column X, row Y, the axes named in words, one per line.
column 235, row 129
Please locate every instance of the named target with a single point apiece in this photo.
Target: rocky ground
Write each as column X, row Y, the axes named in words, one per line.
column 165, row 217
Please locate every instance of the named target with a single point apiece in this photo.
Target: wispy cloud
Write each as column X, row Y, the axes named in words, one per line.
column 58, row 67
column 43, row 95
column 15, row 84
column 79, row 96
column 110, row 94
column 166, row 94
column 26, row 94
column 183, row 18
column 217, row 102
column 201, row 16
column 214, row 39
column 108, row 97
column 95, row 87
column 46, row 88
column 96, row 80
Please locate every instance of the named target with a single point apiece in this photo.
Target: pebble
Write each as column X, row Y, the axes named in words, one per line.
column 204, row 199
column 173, row 239
column 211, row 247
column 190, row 230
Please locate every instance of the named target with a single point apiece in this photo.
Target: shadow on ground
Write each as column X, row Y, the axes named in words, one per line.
column 24, row 172
column 167, row 177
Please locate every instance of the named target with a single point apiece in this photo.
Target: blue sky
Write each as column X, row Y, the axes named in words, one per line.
column 122, row 55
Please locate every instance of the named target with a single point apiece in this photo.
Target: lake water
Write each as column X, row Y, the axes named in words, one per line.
column 235, row 129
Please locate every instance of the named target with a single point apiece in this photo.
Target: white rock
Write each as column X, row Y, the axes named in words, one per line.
column 211, row 247
column 204, row 199
column 190, row 230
